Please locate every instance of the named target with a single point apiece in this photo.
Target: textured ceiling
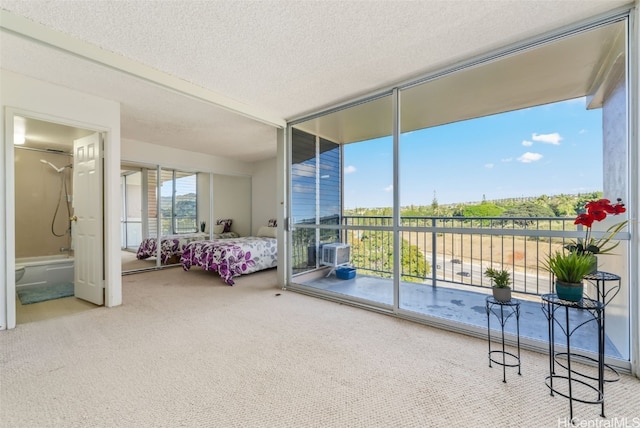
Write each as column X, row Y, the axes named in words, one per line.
column 283, row 59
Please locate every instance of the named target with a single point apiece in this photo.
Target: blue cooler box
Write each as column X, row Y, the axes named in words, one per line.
column 346, row 273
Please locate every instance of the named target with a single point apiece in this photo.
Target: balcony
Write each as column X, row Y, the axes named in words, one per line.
column 442, row 265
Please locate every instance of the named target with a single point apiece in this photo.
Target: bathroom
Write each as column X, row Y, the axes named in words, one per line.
column 43, row 206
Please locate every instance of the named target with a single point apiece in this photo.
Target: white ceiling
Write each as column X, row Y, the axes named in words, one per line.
column 248, row 66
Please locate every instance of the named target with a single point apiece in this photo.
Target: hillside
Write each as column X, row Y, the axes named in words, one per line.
column 538, row 206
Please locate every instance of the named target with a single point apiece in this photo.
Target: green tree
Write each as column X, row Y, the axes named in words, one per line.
column 374, row 252
column 529, row 209
column 434, row 205
column 414, row 265
column 484, row 209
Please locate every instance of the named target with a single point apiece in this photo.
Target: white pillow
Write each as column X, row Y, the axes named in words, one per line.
column 218, row 229
column 268, row 232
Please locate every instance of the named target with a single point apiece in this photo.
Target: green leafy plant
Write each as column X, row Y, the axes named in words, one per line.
column 569, row 267
column 500, row 278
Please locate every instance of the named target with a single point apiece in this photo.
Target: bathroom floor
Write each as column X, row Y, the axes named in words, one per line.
column 50, row 309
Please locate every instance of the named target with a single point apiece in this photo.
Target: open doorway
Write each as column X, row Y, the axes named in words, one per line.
column 45, row 200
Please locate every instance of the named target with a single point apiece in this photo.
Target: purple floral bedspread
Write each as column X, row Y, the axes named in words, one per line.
column 172, row 245
column 232, row 257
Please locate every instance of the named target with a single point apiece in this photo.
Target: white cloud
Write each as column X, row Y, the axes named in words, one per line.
column 553, row 138
column 506, row 159
column 389, row 188
column 527, row 143
column 529, row 157
column 297, row 188
column 488, row 165
column 303, row 170
column 349, row 169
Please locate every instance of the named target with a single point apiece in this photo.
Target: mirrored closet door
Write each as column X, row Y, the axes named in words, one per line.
column 160, row 208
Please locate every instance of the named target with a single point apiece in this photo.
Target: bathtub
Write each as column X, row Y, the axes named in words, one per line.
column 46, row 270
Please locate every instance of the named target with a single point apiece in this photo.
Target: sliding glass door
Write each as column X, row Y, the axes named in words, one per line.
column 485, row 165
column 336, row 175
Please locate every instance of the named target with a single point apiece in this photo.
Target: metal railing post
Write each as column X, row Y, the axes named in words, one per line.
column 434, row 252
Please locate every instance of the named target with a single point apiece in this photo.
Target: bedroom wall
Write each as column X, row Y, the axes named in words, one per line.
column 264, row 184
column 153, row 154
column 232, row 199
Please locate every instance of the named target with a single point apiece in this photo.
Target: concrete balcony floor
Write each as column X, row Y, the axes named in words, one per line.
column 466, row 308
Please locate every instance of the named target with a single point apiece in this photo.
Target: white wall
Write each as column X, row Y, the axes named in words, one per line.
column 265, row 197
column 615, row 161
column 152, row 154
column 41, row 100
column 232, row 199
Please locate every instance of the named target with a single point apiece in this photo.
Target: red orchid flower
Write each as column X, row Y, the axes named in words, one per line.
column 618, row 209
column 598, row 214
column 584, row 219
column 597, row 211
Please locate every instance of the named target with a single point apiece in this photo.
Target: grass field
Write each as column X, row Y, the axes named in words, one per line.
column 514, row 252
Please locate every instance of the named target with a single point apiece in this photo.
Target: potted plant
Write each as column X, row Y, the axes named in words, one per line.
column 501, row 283
column 597, row 211
column 569, row 269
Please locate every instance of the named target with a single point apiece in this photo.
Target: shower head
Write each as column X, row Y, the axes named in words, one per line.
column 52, row 165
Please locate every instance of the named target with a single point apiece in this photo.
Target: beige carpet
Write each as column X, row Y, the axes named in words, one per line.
column 186, row 350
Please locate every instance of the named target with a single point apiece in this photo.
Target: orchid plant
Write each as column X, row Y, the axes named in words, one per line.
column 598, row 211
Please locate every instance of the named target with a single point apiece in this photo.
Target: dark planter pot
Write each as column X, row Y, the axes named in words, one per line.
column 569, row 291
column 502, row 294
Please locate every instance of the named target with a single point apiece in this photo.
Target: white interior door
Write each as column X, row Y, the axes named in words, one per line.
column 88, row 212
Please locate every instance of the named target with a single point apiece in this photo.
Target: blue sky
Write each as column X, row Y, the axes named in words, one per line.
column 551, row 149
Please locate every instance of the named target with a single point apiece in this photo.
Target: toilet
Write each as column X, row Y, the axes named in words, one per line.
column 19, row 272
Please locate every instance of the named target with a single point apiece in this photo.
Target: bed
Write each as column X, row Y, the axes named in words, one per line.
column 232, row 257
column 172, row 246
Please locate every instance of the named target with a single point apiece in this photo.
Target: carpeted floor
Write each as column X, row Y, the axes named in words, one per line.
column 42, row 293
column 186, row 350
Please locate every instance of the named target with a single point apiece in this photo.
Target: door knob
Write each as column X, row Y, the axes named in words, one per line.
column 74, row 218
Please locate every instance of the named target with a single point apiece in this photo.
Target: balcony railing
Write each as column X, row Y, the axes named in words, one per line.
column 452, row 249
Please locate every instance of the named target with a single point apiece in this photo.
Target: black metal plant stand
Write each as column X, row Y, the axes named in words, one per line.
column 503, row 311
column 557, row 312
column 607, row 286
